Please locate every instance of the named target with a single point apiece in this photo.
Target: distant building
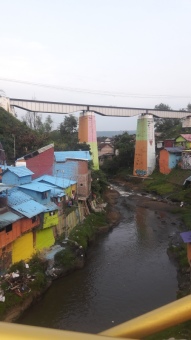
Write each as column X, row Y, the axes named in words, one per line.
column 105, row 151
column 169, row 143
column 184, row 140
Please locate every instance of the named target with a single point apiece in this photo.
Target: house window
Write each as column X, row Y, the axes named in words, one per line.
column 8, row 228
column 51, row 213
column 34, row 219
column 44, row 195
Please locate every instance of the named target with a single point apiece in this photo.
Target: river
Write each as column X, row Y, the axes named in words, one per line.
column 127, row 273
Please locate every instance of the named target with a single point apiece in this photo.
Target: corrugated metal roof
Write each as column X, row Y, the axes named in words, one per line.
column 55, row 191
column 16, row 196
column 30, row 208
column 51, row 206
column 20, row 171
column 61, row 156
column 4, row 187
column 174, row 149
column 3, row 166
column 36, row 186
column 8, row 218
column 186, row 136
column 58, row 181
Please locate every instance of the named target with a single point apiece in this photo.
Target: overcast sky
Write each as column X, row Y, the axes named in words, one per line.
column 134, row 53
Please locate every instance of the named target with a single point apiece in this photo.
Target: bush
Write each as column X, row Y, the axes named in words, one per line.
column 65, row 258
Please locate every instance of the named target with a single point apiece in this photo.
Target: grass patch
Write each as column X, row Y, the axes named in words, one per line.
column 85, row 232
column 186, row 217
column 180, row 255
column 65, row 258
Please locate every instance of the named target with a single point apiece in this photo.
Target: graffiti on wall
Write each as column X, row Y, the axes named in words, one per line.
column 186, row 161
column 140, row 172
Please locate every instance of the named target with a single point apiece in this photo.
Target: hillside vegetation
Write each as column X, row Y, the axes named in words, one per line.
column 26, row 140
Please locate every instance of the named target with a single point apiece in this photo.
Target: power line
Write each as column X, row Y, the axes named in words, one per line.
column 102, row 93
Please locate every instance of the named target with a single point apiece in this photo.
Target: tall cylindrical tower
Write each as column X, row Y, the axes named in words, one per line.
column 87, row 134
column 145, row 159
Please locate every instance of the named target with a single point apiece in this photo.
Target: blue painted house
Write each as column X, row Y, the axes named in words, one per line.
column 66, row 163
column 14, row 175
column 67, row 185
column 40, row 192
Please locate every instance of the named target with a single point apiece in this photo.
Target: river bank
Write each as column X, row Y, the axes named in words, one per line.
column 136, row 199
column 127, row 273
column 19, row 291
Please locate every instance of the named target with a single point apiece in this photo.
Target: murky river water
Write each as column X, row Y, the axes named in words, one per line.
column 127, row 273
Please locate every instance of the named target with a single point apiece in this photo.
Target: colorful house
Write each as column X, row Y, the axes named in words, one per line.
column 9, row 231
column 38, row 191
column 16, row 175
column 43, row 157
column 67, row 185
column 169, row 158
column 32, row 212
column 74, row 165
column 183, row 140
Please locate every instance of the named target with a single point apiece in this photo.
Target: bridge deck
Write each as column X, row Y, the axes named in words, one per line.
column 114, row 111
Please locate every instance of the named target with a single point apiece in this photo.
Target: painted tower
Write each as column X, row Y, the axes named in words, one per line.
column 87, row 134
column 145, row 159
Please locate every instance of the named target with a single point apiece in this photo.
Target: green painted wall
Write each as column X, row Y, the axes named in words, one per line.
column 94, row 151
column 142, row 127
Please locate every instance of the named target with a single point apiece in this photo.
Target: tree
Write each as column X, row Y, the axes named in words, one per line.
column 168, row 127
column 69, row 132
column 163, row 107
column 33, row 120
column 69, row 125
column 125, row 145
column 48, row 124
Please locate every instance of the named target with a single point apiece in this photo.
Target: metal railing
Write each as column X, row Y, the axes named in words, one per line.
column 150, row 323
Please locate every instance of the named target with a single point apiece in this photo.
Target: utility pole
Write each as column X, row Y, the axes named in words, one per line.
column 14, row 151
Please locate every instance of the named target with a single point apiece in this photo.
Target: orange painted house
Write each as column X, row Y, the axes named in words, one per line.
column 9, row 228
column 169, row 158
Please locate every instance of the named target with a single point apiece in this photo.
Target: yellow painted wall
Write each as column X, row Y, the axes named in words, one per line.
column 50, row 221
column 71, row 188
column 44, row 238
column 22, row 248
